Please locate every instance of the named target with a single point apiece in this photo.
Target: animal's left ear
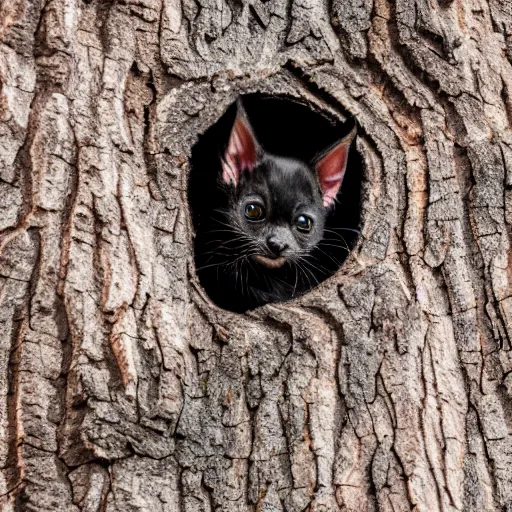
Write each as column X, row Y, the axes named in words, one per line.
column 330, row 167
column 243, row 149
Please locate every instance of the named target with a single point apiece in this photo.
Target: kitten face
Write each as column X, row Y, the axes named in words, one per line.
column 279, row 204
column 279, row 207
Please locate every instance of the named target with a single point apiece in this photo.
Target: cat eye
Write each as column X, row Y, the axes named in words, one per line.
column 254, row 212
column 304, row 223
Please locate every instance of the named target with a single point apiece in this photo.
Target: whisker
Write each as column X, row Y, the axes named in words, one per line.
column 231, row 249
column 317, row 266
column 296, row 280
column 230, row 231
column 332, row 258
column 340, row 237
column 345, row 247
column 304, row 271
column 209, row 266
column 358, row 231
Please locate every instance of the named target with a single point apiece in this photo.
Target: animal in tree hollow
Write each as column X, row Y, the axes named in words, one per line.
column 261, row 238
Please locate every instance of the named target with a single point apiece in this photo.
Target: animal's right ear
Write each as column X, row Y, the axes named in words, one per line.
column 242, row 150
column 331, row 165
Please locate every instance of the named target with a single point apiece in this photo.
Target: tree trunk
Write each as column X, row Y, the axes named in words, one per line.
column 123, row 388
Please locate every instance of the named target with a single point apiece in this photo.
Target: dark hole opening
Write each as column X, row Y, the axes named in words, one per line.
column 284, row 127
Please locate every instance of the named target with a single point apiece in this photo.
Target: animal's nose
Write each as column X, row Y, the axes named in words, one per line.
column 276, row 245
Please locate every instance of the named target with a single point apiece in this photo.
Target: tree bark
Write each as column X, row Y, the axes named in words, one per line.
column 388, row 387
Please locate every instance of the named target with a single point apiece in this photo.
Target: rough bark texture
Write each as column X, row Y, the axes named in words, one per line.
column 124, row 389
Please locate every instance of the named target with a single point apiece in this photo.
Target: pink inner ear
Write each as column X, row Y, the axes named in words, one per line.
column 331, row 169
column 241, row 152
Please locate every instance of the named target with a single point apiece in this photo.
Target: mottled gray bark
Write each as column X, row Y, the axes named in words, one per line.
column 122, row 388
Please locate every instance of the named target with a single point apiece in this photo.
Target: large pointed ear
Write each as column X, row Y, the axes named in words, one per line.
column 242, row 150
column 330, row 167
